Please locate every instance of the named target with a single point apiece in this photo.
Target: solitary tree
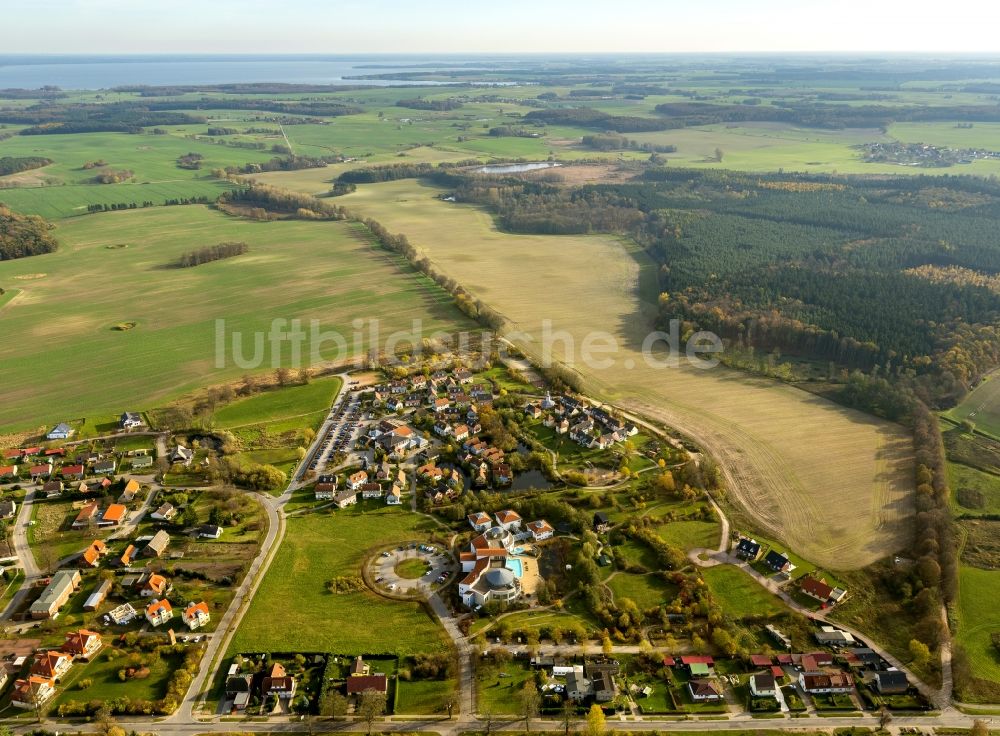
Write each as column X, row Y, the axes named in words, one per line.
column 531, row 701
column 919, row 652
column 370, row 707
column 596, row 723
column 718, row 155
column 979, row 728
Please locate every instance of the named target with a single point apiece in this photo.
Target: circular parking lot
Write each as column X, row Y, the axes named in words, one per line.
column 412, row 568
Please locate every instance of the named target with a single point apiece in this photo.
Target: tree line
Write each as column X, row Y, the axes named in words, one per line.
column 212, row 253
column 17, row 164
column 24, row 235
column 272, row 200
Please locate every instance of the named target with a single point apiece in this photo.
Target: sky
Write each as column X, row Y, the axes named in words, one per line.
column 515, row 26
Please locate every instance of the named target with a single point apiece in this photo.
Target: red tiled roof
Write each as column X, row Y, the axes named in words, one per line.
column 359, row 683
column 697, row 659
column 760, row 660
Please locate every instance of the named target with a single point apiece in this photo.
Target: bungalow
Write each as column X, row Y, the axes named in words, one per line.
column 8, row 471
column 56, row 452
column 114, row 515
column 166, row 512
column 86, row 516
column 105, row 467
column 13, row 454
column 196, row 615
column 8, row 508
column 357, row 684
column 345, row 498
column 142, row 461
column 826, row 682
column 833, row 637
column 43, row 470
column 128, row 493
column 92, row 555
column 356, row 480
column 704, row 691
column 52, row 488
column 891, row 682
column 540, row 530
column 155, row 586
column 61, row 431
column 480, row 521
column 159, row 612
column 130, row 420
column 748, row 549
column 763, row 686
column 32, row 692
column 51, row 664
column 277, row 683
column 822, row 592
column 209, row 531
column 157, row 545
column 82, row 644
column 777, row 562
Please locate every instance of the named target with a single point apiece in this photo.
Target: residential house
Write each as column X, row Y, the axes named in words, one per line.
column 371, row 490
column 704, row 691
column 128, row 556
column 540, row 530
column 8, row 471
column 509, row 520
column 602, row 522
column 345, row 498
column 502, row 474
column 777, row 562
column 277, row 683
column 56, row 593
column 826, row 682
column 141, row 462
column 93, row 554
column 128, row 493
column 53, row 488
column 166, row 512
column 196, row 615
column 395, row 496
column 123, row 614
column 602, row 680
column 130, row 420
column 238, row 690
column 43, row 470
column 578, row 687
column 325, row 491
column 357, row 684
column 8, row 508
column 763, row 686
column 32, row 693
column 155, row 586
column 159, row 612
column 748, row 549
column 105, row 467
column 821, row 591
column 181, row 455
column 891, row 682
column 61, row 431
column 114, row 515
column 157, row 545
column 82, row 644
column 480, row 521
column 833, row 637
column 87, row 515
column 356, row 480
column 209, row 531
column 51, row 664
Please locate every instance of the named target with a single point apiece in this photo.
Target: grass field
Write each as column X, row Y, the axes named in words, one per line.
column 738, row 594
column 66, row 361
column 754, row 427
column 290, row 402
column 646, row 590
column 315, row 549
column 981, row 407
column 970, row 485
column 690, row 534
column 978, row 618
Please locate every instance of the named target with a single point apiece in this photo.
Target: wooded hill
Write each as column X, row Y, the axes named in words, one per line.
column 22, row 236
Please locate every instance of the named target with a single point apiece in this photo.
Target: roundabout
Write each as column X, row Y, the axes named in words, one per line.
column 411, row 569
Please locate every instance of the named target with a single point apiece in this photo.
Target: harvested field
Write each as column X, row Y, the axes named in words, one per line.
column 786, row 453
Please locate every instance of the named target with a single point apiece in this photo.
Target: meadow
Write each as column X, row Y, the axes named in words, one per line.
column 646, row 590
column 66, row 359
column 739, row 595
column 978, row 618
column 276, row 405
column 981, row 407
column 786, row 452
column 292, row 610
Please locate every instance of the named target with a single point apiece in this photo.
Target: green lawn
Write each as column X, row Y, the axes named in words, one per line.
column 646, row 590
column 291, row 402
column 978, row 617
column 315, row 549
column 739, row 595
column 426, row 697
column 981, row 407
column 690, row 534
column 498, row 687
column 103, row 673
column 323, row 271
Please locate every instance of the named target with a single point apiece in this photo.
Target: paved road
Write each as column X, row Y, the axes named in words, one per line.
column 19, row 541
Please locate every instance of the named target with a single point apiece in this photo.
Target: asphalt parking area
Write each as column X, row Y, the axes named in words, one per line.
column 439, row 562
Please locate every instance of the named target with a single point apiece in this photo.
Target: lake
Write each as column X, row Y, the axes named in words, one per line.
column 517, row 168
